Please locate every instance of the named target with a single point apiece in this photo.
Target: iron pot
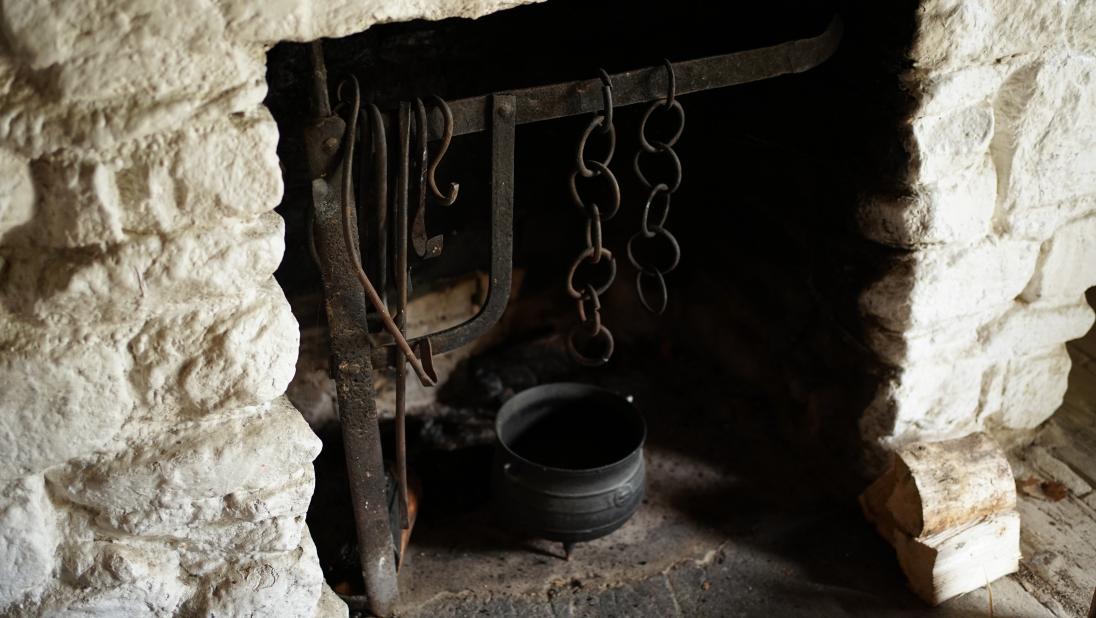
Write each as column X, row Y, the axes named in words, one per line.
column 568, row 461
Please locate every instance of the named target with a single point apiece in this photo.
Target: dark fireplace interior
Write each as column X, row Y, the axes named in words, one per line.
column 751, row 382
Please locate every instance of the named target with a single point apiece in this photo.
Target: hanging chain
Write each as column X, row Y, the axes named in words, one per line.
column 657, row 208
column 589, row 342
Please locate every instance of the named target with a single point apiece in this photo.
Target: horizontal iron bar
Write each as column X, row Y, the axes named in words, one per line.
column 471, row 115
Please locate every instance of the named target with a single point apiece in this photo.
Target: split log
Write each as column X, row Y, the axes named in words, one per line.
column 949, row 510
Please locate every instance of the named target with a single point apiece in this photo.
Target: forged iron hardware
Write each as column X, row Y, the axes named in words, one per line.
column 425, row 247
column 380, row 202
column 480, row 113
column 446, row 137
column 471, row 115
column 502, row 241
column 663, row 190
column 402, row 274
column 349, row 215
column 351, row 348
column 589, row 323
column 547, row 493
column 607, row 106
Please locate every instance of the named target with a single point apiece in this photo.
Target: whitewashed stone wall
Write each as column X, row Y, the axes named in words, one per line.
column 149, row 464
column 999, row 221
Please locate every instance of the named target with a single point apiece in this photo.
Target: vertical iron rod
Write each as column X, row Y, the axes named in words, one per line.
column 380, row 220
column 403, row 186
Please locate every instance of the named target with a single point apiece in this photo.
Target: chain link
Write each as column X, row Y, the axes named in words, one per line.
column 589, row 342
column 653, row 223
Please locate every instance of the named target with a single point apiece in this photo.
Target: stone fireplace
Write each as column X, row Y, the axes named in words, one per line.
column 892, row 248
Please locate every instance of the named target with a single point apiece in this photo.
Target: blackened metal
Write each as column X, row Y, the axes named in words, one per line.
column 672, row 87
column 502, row 239
column 380, row 202
column 590, row 255
column 446, row 137
column 607, row 98
column 577, row 495
column 321, row 103
column 589, row 327
column 649, row 84
column 591, row 350
column 643, row 293
column 399, row 262
column 353, row 366
column 475, row 114
column 581, row 160
column 601, row 170
column 363, row 279
column 651, row 227
column 425, row 247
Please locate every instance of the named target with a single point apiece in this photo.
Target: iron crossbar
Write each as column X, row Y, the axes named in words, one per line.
column 539, row 103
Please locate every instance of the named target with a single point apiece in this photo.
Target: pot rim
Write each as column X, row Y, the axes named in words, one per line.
column 531, row 393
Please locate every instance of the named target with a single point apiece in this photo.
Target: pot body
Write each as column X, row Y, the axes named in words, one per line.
column 573, row 485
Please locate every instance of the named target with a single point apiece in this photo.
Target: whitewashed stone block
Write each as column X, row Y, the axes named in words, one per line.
column 28, row 538
column 940, row 92
column 1033, row 388
column 60, row 398
column 227, row 353
column 162, row 184
column 956, row 33
column 926, row 401
column 16, row 193
column 949, row 143
column 950, row 339
column 78, row 204
column 1026, row 329
column 280, row 584
column 1067, row 264
column 35, row 123
column 1040, row 222
column 957, row 208
column 42, row 34
column 1045, row 146
column 254, row 449
column 936, row 284
column 150, row 275
column 301, row 20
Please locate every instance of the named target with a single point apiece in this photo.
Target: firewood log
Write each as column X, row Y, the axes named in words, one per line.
column 949, row 510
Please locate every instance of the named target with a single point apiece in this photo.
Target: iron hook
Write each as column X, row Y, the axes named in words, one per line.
column 446, row 137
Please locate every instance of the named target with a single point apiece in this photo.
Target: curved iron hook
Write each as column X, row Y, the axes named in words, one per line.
column 447, row 136
column 607, row 96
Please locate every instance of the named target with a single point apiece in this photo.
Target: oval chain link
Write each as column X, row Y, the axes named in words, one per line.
column 589, row 342
column 653, row 224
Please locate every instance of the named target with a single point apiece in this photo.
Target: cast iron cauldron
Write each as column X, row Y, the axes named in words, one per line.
column 568, row 462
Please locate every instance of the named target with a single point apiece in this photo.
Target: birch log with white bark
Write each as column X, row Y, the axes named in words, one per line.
column 949, row 510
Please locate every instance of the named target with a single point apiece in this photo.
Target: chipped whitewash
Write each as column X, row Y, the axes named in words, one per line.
column 149, row 464
column 998, row 221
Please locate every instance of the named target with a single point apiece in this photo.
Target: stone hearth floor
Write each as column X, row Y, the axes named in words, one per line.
column 732, row 525
column 1057, row 502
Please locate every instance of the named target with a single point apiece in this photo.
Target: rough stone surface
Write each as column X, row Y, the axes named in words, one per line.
column 995, row 226
column 148, row 463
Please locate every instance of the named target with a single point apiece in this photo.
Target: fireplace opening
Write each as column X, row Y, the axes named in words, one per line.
column 753, row 382
column 756, row 357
